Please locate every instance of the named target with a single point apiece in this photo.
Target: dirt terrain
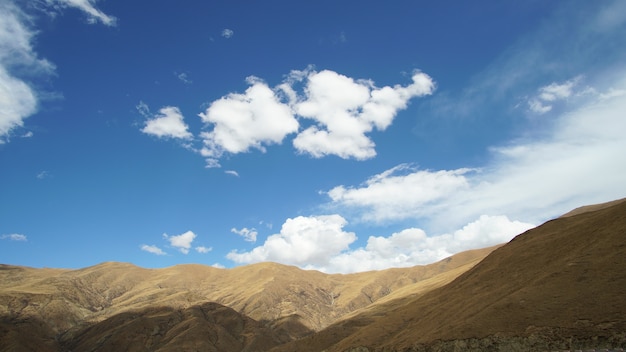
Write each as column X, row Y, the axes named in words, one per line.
column 559, row 286
column 57, row 309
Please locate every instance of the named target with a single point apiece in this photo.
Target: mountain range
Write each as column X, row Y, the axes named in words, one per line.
column 558, row 286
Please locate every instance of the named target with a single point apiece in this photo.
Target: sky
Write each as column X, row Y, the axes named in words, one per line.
column 338, row 136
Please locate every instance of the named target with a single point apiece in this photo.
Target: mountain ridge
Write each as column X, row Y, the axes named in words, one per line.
column 290, row 302
column 558, row 286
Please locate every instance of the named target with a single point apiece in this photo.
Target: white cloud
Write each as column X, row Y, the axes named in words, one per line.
column 14, row 237
column 232, row 172
column 413, row 246
column 345, row 110
column 320, row 243
column 244, row 121
column 248, row 234
column 88, row 7
column 181, row 242
column 152, row 249
column 203, row 249
column 227, row 33
column 552, row 93
column 28, row 134
column 401, row 192
column 17, row 99
column 304, row 241
column 167, row 124
column 218, row 266
column 580, row 160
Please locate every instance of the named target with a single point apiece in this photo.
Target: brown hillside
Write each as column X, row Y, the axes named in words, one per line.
column 555, row 287
column 206, row 327
column 43, row 309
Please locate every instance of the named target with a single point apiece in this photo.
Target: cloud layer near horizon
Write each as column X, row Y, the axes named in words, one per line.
column 321, row 243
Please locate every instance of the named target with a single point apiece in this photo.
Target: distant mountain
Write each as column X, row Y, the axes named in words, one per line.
column 560, row 286
column 122, row 307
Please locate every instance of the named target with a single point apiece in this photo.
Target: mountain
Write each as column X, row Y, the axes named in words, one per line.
column 560, row 286
column 188, row 307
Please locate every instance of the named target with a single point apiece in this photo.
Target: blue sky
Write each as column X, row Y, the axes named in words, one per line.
column 337, row 136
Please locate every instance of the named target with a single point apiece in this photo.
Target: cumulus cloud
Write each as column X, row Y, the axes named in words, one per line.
column 344, row 110
column 578, row 161
column 181, row 242
column 14, row 237
column 152, row 249
column 227, row 33
column 168, row 123
column 94, row 14
column 550, row 94
column 244, row 121
column 413, row 246
column 320, row 243
column 248, row 234
column 304, row 241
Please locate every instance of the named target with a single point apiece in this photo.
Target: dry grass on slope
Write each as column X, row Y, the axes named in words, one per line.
column 353, row 322
column 206, row 327
column 562, row 281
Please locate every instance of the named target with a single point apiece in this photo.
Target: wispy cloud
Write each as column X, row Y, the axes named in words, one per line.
column 43, row 174
column 550, row 94
column 152, row 249
column 203, row 249
column 227, row 33
column 94, row 15
column 248, row 234
column 183, row 77
column 232, row 172
column 14, row 237
column 18, row 98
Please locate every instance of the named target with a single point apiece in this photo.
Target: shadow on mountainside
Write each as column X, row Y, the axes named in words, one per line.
column 559, row 286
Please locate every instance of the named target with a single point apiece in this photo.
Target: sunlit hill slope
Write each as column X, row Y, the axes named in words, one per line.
column 559, row 286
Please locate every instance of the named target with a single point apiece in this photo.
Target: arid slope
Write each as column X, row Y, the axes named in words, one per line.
column 47, row 309
column 555, row 287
